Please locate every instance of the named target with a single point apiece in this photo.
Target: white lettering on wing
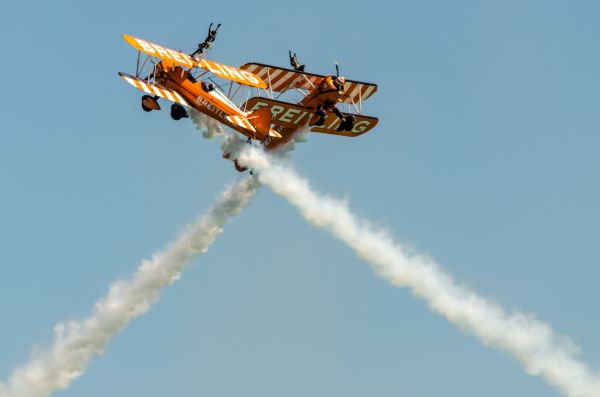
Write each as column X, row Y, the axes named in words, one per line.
column 301, row 117
column 332, row 125
column 361, row 126
column 145, row 46
column 275, row 110
column 249, row 77
column 289, row 115
column 257, row 106
column 210, row 67
column 161, row 51
column 233, row 72
column 177, row 57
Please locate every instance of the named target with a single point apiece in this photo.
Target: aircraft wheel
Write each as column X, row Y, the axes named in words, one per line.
column 150, row 103
column 178, row 112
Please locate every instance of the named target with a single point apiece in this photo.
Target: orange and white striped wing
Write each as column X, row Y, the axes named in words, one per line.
column 158, row 51
column 232, row 73
column 243, row 122
column 281, row 79
column 357, row 92
column 154, row 90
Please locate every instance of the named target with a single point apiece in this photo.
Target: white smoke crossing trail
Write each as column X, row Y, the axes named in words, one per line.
column 533, row 343
column 76, row 342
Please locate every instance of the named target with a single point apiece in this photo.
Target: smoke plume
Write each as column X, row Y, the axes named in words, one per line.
column 209, row 127
column 76, row 342
column 533, row 343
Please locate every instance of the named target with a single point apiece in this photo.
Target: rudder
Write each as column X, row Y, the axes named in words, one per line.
column 261, row 119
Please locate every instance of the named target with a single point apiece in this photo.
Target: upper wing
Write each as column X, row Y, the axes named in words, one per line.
column 154, row 89
column 294, row 116
column 282, row 79
column 155, row 50
column 232, row 73
column 179, row 58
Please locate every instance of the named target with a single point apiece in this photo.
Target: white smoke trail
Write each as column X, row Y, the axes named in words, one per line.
column 209, row 127
column 76, row 342
column 533, row 343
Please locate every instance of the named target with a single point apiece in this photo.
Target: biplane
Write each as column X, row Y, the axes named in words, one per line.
column 310, row 101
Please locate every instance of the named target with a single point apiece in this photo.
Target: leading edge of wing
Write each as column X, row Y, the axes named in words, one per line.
column 158, row 51
column 218, row 69
column 232, row 73
column 249, row 64
column 154, row 90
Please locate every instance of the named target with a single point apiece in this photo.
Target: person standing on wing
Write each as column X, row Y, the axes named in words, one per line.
column 329, row 92
column 295, row 64
column 207, row 43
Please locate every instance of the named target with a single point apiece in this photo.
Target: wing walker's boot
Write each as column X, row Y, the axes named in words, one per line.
column 322, row 116
column 347, row 123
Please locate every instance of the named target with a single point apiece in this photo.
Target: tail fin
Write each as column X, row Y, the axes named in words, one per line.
column 261, row 119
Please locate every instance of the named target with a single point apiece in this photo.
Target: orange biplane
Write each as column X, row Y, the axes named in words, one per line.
column 189, row 82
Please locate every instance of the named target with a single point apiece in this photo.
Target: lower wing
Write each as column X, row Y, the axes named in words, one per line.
column 154, row 89
column 290, row 115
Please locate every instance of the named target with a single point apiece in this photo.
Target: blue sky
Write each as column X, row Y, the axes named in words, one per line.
column 485, row 157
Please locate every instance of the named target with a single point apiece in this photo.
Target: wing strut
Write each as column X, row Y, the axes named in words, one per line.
column 137, row 65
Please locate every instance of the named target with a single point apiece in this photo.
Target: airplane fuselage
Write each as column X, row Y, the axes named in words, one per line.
column 213, row 103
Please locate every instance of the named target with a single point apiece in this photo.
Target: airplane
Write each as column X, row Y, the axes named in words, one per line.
column 189, row 82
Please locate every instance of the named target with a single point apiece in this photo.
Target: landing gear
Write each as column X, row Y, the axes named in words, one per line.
column 178, row 112
column 347, row 123
column 150, row 103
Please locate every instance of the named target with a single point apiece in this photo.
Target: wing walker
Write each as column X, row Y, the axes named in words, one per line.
column 275, row 102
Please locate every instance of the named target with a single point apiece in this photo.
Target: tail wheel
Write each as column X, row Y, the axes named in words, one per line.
column 178, row 112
